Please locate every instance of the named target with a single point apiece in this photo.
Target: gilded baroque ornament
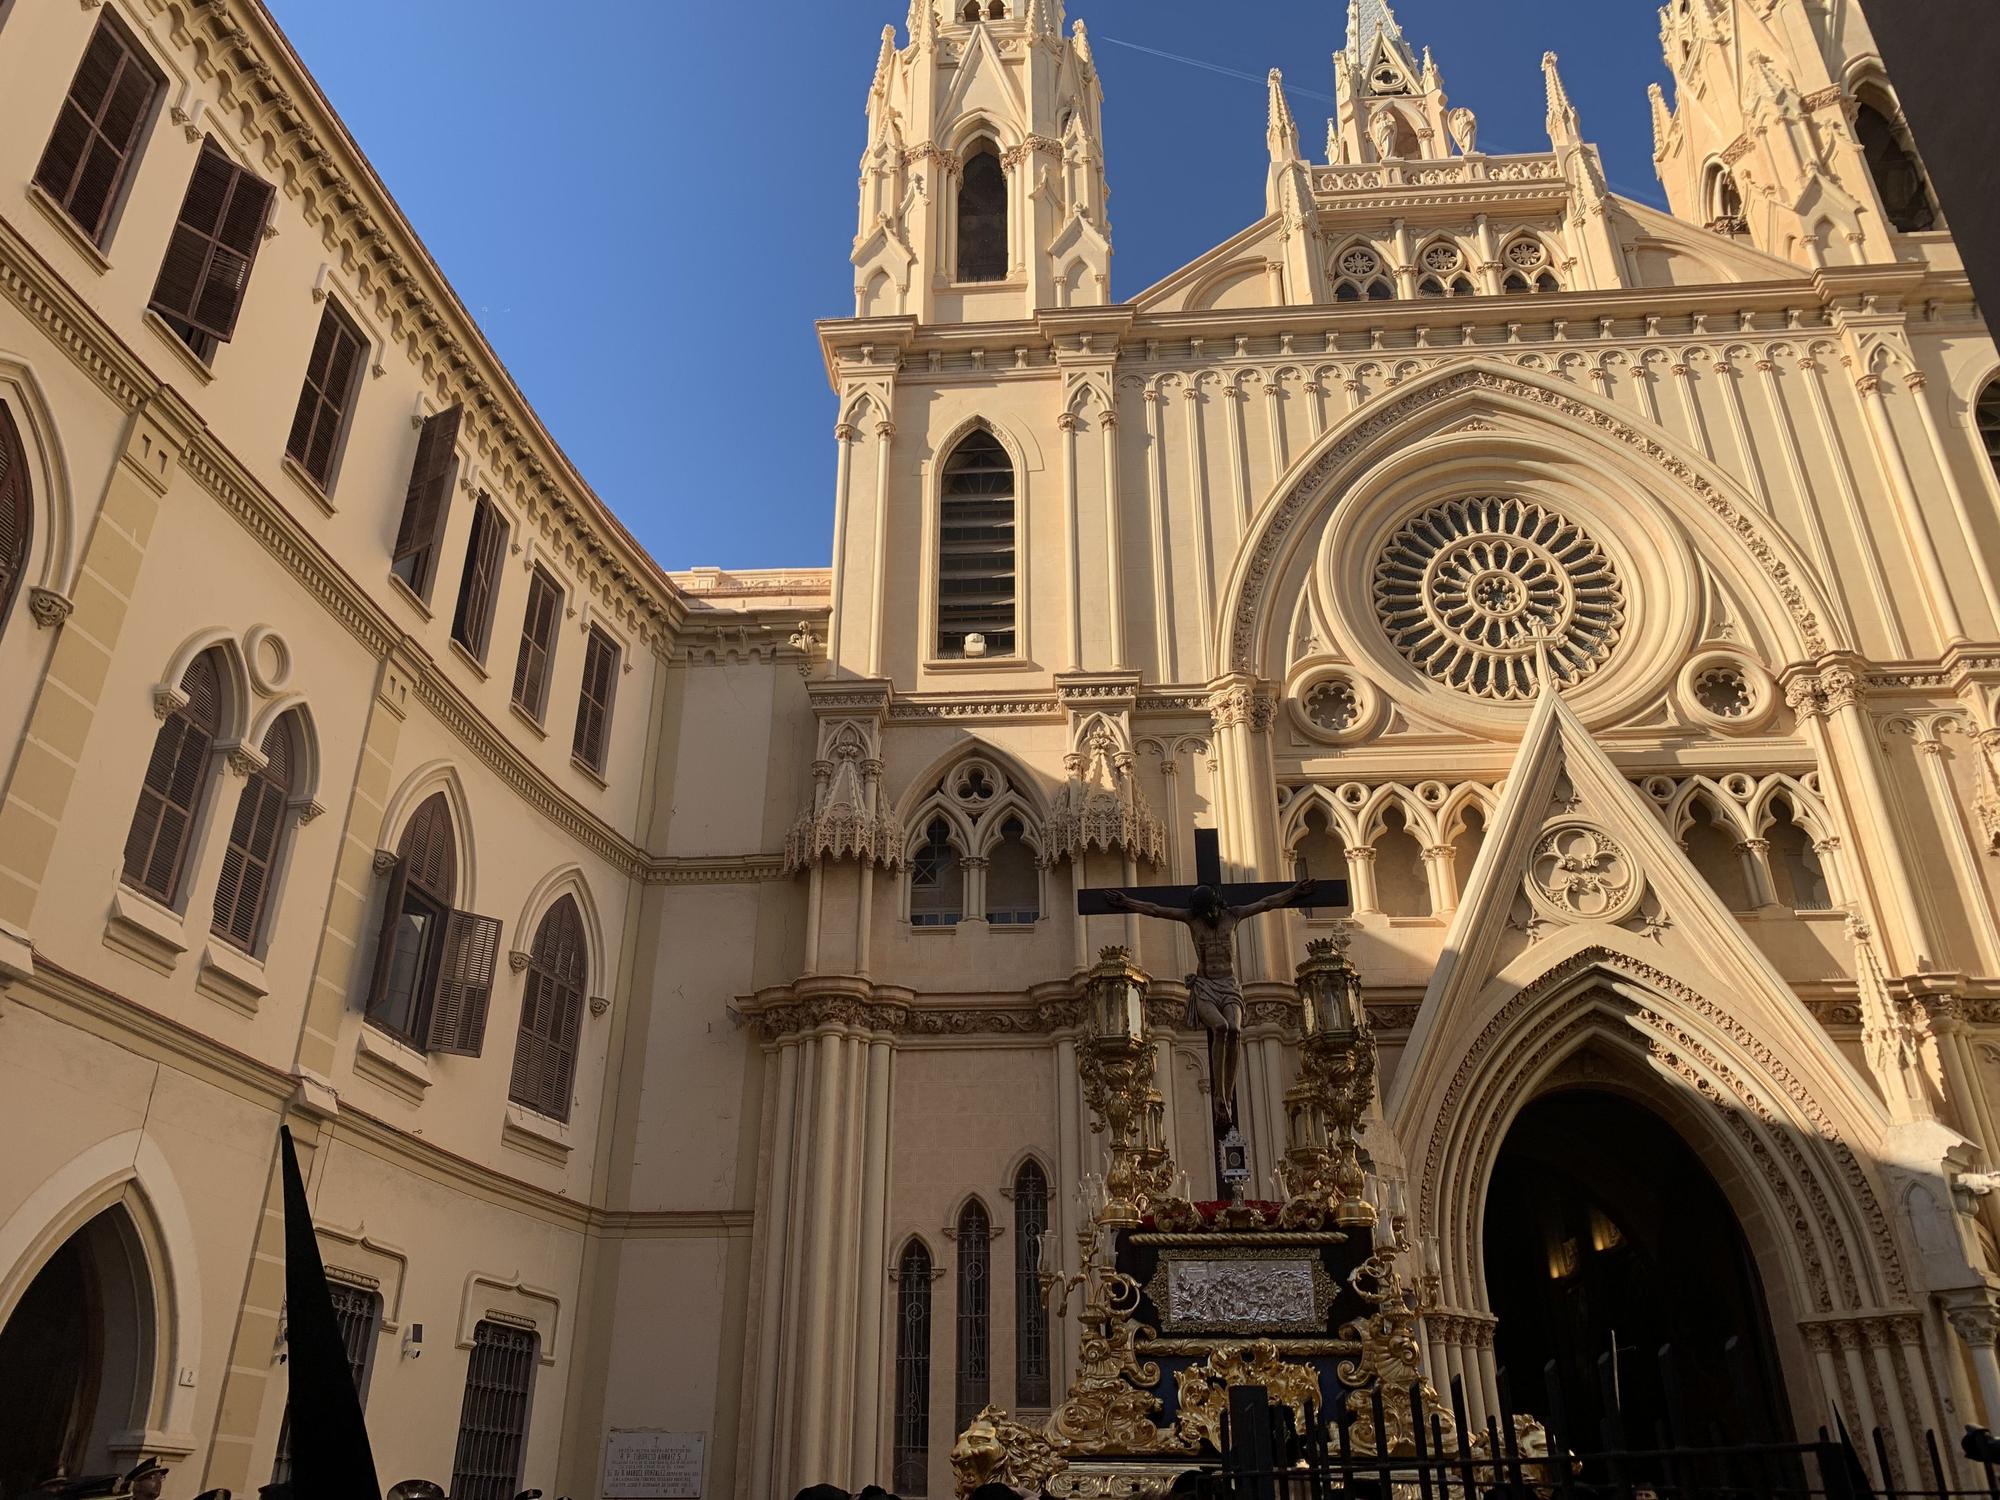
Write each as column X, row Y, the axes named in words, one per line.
column 1472, row 591
column 996, row 1449
column 1204, row 1388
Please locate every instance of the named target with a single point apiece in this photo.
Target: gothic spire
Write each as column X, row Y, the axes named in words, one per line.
column 1562, row 114
column 1663, row 120
column 1281, row 134
column 1366, row 20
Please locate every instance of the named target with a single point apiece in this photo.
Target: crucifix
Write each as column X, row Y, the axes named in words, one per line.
column 1211, row 911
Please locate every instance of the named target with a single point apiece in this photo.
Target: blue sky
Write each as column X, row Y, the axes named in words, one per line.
column 646, row 203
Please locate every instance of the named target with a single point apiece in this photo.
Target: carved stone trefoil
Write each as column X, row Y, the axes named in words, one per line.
column 1101, row 806
column 846, row 817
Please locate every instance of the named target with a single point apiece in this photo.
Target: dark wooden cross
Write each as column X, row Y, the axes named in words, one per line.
column 1090, row 901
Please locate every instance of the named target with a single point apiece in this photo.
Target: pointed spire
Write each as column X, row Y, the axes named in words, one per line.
column 1281, row 134
column 922, row 23
column 1430, row 72
column 1079, row 41
column 1366, row 20
column 883, row 59
column 1045, row 17
column 1562, row 114
column 1663, row 120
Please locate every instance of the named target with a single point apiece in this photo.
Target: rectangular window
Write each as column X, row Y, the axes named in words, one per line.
column 472, row 621
column 414, row 558
column 90, row 151
column 214, row 246
column 493, row 1421
column 320, row 421
column 593, row 707
column 538, row 645
column 357, row 1311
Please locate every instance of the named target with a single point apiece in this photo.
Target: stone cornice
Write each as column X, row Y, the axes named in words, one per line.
column 270, row 103
column 715, row 869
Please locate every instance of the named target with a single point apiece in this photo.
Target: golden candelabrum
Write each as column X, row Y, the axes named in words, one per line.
column 1322, row 1174
column 1115, row 1063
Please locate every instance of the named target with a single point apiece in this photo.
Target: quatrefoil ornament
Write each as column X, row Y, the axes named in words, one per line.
column 1579, row 873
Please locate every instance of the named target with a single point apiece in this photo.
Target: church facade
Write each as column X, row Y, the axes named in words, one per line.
column 672, row 979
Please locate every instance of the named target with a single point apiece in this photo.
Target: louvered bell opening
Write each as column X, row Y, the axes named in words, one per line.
column 976, row 585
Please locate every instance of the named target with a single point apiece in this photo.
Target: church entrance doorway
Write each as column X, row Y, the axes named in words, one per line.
column 75, row 1357
column 1606, row 1239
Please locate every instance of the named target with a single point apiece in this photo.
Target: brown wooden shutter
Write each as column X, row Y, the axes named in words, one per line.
column 16, row 519
column 465, row 984
column 551, row 1014
column 249, row 861
column 472, row 624
column 385, row 936
column 176, row 775
column 538, row 638
column 593, row 709
column 214, row 245
column 321, row 415
column 430, row 850
column 428, row 497
column 90, row 148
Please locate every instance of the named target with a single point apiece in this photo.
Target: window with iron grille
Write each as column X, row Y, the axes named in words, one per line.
column 177, row 778
column 212, row 251
column 357, row 1311
column 937, row 883
column 593, row 706
column 434, row 965
column 551, row 1013
column 319, row 422
column 982, row 217
column 92, row 149
column 975, row 1301
column 1031, row 1315
column 493, row 1422
column 912, row 1457
column 472, row 621
column 538, row 645
column 256, row 837
column 976, row 550
column 414, row 556
column 17, row 516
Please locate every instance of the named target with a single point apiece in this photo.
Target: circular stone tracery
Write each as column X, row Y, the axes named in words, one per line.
column 1470, row 590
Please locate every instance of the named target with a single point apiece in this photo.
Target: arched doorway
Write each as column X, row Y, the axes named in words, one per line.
column 1606, row 1239
column 76, row 1357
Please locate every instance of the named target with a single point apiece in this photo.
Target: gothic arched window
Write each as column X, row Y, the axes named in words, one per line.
column 1713, row 848
column 551, row 1014
column 1013, row 884
column 1360, row 277
column 1724, row 201
column 16, row 516
column 256, row 839
column 176, row 784
column 976, row 550
column 1892, row 162
column 1319, row 852
column 1986, row 416
column 982, row 216
column 937, row 882
column 910, row 1464
column 1031, row 1315
column 1798, row 878
column 433, row 964
column 1401, row 888
column 974, row 1385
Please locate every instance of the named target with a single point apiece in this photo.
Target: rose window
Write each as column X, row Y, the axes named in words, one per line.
column 1334, row 706
column 1525, row 255
column 1475, row 592
column 1442, row 258
column 1359, row 262
column 1724, row 692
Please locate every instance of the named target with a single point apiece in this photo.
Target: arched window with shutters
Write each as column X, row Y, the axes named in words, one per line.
column 257, row 837
column 17, row 517
column 434, row 964
column 551, row 1013
column 974, row 1374
column 1893, row 164
column 176, row 785
column 910, row 1464
column 982, row 215
column 976, row 550
column 1031, row 1315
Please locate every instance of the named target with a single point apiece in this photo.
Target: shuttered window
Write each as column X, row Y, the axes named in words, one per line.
column 91, row 148
column 982, row 218
column 975, row 1302
column 551, row 1014
column 414, row 558
column 433, row 979
column 976, row 550
column 256, row 837
column 593, row 706
column 320, row 421
column 472, row 621
column 538, row 644
column 1031, row 1313
column 16, row 513
column 493, row 1421
column 912, row 1457
column 214, row 245
column 177, row 778
column 357, row 1312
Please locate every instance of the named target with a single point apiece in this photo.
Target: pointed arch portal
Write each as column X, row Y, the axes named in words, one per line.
column 1606, row 1242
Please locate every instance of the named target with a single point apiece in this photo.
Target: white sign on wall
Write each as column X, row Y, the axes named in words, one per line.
column 650, row 1463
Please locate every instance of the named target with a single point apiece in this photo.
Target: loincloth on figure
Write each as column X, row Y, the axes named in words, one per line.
column 1220, row 993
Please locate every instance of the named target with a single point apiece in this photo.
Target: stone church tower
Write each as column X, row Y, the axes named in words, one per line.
column 1606, row 596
